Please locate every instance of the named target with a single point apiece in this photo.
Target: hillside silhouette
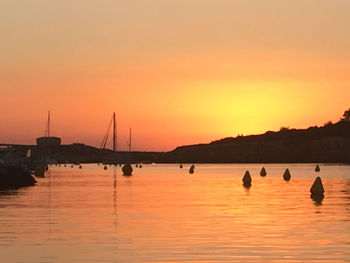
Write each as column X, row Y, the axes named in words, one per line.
column 327, row 144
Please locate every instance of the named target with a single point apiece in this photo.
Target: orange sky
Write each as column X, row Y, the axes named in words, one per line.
column 177, row 72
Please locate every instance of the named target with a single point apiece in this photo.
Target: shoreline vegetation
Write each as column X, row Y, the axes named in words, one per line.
column 327, row 144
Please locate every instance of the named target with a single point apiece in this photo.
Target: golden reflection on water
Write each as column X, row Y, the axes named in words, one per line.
column 163, row 214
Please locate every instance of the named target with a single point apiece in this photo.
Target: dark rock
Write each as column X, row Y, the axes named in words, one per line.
column 39, row 171
column 15, row 177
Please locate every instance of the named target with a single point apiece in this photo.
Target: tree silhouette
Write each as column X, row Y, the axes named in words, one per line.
column 346, row 115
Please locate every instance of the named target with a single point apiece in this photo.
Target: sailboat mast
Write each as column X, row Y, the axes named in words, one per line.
column 114, row 132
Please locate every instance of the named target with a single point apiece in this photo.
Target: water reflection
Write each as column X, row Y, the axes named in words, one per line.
column 317, row 199
column 163, row 215
column 114, row 190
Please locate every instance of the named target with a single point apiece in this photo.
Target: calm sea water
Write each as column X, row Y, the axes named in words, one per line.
column 163, row 214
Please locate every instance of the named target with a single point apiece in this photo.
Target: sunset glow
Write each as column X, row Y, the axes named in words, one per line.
column 177, row 72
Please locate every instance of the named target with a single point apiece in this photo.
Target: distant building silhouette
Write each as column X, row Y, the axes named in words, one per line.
column 48, row 140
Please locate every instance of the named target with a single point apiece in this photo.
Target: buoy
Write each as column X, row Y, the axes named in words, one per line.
column 181, row 166
column 140, row 165
column 247, row 179
column 65, row 165
column 127, row 169
column 286, row 175
column 191, row 171
column 317, row 187
column 72, row 166
column 263, row 172
column 80, row 166
column 317, row 168
column 137, row 165
column 105, row 167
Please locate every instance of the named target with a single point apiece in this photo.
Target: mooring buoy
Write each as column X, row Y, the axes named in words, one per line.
column 127, row 169
column 247, row 179
column 317, row 168
column 317, row 187
column 191, row 171
column 286, row 175
column 263, row 172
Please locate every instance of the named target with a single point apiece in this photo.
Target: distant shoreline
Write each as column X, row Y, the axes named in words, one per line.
column 329, row 144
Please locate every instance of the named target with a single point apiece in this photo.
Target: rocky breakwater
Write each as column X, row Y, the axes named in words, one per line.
column 15, row 177
column 14, row 169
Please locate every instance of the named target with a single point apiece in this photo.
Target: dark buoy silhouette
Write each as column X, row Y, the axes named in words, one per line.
column 263, row 172
column 286, row 175
column 127, row 169
column 72, row 166
column 247, row 179
column 140, row 165
column 191, row 171
column 317, row 189
column 105, row 167
column 80, row 167
column 181, row 166
column 137, row 165
column 65, row 165
column 317, row 168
